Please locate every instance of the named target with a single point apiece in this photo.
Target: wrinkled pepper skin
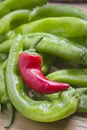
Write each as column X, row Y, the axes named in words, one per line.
column 56, row 11
column 54, row 45
column 61, row 26
column 76, row 77
column 82, row 105
column 42, row 111
column 82, row 108
column 10, row 5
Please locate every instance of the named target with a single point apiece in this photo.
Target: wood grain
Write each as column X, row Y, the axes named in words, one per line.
column 69, row 1
column 74, row 122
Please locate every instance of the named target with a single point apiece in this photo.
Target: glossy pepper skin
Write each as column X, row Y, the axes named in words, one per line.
column 10, row 5
column 82, row 104
column 29, row 65
column 74, row 76
column 55, row 45
column 13, row 20
column 42, row 111
column 56, row 11
column 62, row 26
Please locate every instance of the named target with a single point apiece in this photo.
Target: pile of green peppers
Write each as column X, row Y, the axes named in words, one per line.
column 64, row 32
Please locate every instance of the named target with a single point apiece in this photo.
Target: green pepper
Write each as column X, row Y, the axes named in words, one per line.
column 56, row 11
column 54, row 45
column 82, row 108
column 13, row 20
column 62, row 26
column 75, row 76
column 3, row 57
column 82, row 105
column 43, row 111
column 4, row 99
column 3, row 93
column 47, row 61
column 9, row 5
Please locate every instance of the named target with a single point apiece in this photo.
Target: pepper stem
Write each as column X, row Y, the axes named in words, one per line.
column 33, row 46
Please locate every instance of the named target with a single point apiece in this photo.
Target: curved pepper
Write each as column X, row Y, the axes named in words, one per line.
column 54, row 45
column 43, row 111
column 9, row 5
column 74, row 76
column 29, row 65
column 56, row 11
column 61, row 26
column 13, row 20
column 82, row 105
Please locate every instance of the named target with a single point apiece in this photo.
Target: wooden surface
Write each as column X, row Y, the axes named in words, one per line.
column 69, row 1
column 74, row 122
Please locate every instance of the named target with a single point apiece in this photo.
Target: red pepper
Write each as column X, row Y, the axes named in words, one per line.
column 29, row 64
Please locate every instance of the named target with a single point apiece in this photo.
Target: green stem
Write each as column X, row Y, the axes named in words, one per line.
column 33, row 46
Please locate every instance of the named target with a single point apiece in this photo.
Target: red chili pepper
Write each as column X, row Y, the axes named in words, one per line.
column 29, row 64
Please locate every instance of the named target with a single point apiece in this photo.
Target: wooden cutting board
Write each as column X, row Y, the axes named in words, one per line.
column 74, row 122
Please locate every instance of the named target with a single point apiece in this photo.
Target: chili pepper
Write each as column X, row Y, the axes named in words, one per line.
column 29, row 65
column 82, row 108
column 3, row 94
column 27, row 40
column 54, row 45
column 82, row 105
column 4, row 99
column 75, row 76
column 62, row 26
column 56, row 11
column 9, row 5
column 47, row 61
column 42, row 111
column 13, row 20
